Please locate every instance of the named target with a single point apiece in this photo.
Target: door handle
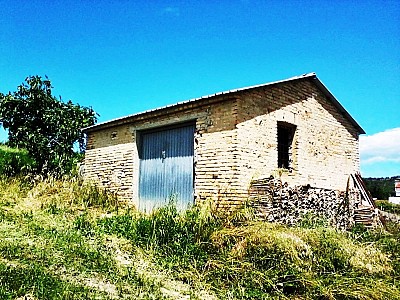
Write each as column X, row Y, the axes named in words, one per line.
column 163, row 155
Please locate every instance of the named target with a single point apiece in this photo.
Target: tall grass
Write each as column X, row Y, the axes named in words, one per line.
column 257, row 260
column 67, row 239
column 185, row 236
column 49, row 248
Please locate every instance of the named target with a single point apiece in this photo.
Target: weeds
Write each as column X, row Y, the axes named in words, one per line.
column 14, row 161
column 50, row 247
column 17, row 281
column 66, row 239
column 184, row 235
column 271, row 258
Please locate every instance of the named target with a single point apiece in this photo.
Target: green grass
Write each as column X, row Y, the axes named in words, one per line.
column 49, row 250
column 66, row 239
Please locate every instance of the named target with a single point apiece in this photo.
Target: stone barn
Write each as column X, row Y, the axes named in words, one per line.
column 216, row 146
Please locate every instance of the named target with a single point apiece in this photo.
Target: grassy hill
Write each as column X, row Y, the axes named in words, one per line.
column 64, row 239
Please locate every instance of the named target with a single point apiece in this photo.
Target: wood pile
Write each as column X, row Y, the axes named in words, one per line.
column 275, row 201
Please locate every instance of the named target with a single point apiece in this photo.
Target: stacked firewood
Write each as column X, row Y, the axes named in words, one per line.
column 276, row 201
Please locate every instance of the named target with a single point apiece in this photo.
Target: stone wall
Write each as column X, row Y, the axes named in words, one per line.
column 112, row 168
column 216, row 156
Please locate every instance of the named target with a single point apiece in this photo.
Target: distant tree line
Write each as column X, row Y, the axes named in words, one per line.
column 381, row 188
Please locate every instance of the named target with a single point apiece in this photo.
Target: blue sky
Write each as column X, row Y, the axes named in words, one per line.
column 122, row 57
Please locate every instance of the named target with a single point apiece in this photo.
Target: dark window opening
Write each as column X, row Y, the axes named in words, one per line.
column 285, row 141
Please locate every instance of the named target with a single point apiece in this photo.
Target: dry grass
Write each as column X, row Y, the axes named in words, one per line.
column 65, row 239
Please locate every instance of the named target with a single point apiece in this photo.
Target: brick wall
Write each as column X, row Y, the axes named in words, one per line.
column 112, row 167
column 236, row 141
column 325, row 144
column 114, row 150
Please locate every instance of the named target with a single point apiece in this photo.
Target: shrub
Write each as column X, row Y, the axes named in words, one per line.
column 14, row 161
column 44, row 125
column 387, row 206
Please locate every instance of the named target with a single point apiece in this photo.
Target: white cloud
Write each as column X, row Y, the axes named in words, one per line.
column 380, row 147
column 376, row 159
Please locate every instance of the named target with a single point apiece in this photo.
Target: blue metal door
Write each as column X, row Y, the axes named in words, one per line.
column 166, row 167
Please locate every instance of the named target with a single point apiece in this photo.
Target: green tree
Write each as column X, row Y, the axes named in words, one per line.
column 45, row 126
column 380, row 188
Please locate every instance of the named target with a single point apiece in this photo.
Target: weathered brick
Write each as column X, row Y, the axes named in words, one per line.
column 236, row 142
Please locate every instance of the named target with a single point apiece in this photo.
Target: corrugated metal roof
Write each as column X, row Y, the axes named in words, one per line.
column 312, row 75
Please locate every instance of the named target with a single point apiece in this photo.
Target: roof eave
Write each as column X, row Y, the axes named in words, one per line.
column 125, row 119
column 332, row 98
column 313, row 76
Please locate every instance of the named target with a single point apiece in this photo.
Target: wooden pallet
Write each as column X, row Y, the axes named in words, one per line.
column 364, row 215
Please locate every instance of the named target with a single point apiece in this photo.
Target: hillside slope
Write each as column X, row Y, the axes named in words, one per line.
column 69, row 240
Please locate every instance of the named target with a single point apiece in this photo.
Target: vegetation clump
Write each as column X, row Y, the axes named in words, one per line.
column 45, row 126
column 15, row 161
column 67, row 239
column 388, row 206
